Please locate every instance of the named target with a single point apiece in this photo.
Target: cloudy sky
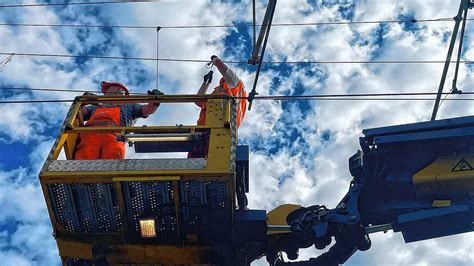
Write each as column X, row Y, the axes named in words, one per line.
column 299, row 150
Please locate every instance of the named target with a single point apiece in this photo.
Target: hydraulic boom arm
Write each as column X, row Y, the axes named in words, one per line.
column 417, row 179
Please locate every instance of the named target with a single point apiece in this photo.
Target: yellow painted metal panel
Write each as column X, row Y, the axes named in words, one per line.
column 219, row 150
column 447, row 168
column 57, row 150
column 447, row 174
column 74, row 249
column 203, row 175
column 159, row 254
column 278, row 216
column 147, row 178
column 147, row 129
column 75, row 109
column 71, row 142
column 441, row 203
column 277, row 240
column 138, row 253
column 216, row 112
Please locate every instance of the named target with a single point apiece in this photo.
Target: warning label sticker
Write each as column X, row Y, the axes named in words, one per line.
column 462, row 165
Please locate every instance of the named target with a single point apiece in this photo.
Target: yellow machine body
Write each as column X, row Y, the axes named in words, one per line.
column 446, row 177
column 94, row 205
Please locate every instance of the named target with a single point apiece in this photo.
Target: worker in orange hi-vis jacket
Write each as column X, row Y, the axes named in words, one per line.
column 230, row 84
column 93, row 146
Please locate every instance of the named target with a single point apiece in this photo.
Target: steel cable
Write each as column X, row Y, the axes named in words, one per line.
column 235, row 62
column 320, row 97
column 288, row 24
column 77, row 3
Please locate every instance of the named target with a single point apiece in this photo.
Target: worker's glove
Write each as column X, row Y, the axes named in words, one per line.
column 157, row 93
column 214, row 57
column 208, row 77
column 89, row 94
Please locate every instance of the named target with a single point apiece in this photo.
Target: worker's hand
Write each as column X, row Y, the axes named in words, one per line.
column 214, row 57
column 208, row 77
column 89, row 94
column 155, row 92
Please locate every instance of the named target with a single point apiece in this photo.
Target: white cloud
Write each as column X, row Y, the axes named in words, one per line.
column 12, row 258
column 291, row 161
column 18, row 187
column 35, row 243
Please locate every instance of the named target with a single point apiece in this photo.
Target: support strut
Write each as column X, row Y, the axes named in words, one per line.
column 463, row 7
column 259, row 48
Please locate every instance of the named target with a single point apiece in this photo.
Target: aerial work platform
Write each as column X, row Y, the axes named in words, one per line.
column 154, row 209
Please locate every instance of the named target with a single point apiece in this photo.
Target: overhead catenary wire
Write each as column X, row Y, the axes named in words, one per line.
column 260, row 98
column 46, row 89
column 77, row 3
column 283, row 24
column 232, row 62
column 387, row 94
column 236, row 62
column 59, row 90
column 317, row 97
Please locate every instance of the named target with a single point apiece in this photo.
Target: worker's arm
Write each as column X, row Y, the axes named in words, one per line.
column 219, row 64
column 204, row 86
column 230, row 77
column 149, row 109
column 86, row 111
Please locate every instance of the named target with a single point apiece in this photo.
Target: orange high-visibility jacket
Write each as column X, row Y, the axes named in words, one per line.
column 93, row 146
column 237, row 91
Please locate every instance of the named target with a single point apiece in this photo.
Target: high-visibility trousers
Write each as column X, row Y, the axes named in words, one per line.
column 93, row 146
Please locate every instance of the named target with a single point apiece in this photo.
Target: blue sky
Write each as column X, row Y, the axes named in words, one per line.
column 299, row 150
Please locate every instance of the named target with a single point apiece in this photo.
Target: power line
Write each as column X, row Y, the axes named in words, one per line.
column 44, row 89
column 110, row 57
column 78, row 3
column 413, row 20
column 388, row 94
column 236, row 62
column 346, row 97
column 278, row 99
column 227, row 26
column 322, row 96
column 36, row 101
column 61, row 90
column 358, row 99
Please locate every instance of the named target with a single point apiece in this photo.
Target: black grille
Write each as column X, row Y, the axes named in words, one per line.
column 205, row 210
column 204, row 206
column 152, row 200
column 86, row 208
